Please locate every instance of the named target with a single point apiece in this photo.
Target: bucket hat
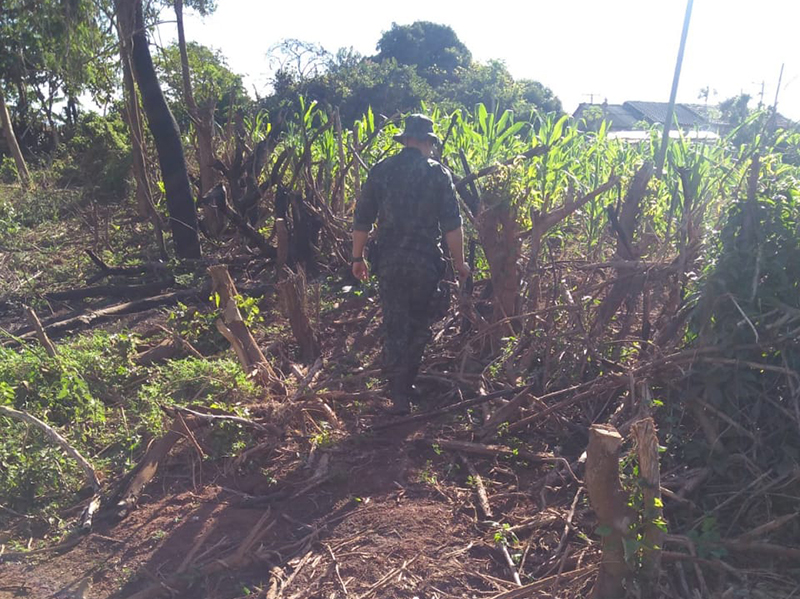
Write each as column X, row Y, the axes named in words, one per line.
column 418, row 126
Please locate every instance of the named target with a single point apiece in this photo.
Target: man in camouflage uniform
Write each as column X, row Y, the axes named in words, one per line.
column 413, row 199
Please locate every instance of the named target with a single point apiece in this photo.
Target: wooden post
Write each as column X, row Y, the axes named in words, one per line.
column 610, row 503
column 644, row 433
column 234, row 329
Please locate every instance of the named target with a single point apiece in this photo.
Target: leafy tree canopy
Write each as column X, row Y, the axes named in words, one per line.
column 55, row 50
column 421, row 62
column 213, row 83
column 433, row 49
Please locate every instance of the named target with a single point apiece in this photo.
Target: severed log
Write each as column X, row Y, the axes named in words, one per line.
column 128, row 291
column 55, row 437
column 610, row 503
column 41, row 335
column 58, row 327
column 234, row 329
column 165, row 350
column 292, row 292
column 644, row 433
column 148, row 465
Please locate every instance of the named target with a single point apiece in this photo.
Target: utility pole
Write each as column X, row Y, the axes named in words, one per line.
column 662, row 154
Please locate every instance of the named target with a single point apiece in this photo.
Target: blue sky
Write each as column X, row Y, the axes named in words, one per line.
column 615, row 49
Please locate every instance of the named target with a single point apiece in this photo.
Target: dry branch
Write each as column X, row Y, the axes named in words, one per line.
column 41, row 335
column 528, row 590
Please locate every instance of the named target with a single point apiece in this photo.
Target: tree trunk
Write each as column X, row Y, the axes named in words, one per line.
column 144, row 197
column 13, row 146
column 204, row 126
column 497, row 229
column 180, row 202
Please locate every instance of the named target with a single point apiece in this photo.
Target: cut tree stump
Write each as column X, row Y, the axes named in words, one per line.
column 234, row 329
column 610, row 503
column 644, row 433
column 292, row 291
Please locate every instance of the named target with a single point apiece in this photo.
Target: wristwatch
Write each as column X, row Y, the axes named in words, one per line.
column 357, row 259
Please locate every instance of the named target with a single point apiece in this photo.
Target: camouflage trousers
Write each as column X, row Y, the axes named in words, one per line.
column 406, row 291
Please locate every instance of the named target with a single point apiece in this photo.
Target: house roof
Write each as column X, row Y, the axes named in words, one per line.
column 616, row 114
column 656, row 112
column 689, row 116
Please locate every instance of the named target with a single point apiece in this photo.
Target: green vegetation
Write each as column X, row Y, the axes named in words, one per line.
column 106, row 406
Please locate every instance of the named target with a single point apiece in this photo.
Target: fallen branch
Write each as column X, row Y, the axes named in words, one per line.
column 211, row 418
column 451, row 408
column 58, row 327
column 148, row 465
column 55, row 437
column 526, row 591
column 480, row 489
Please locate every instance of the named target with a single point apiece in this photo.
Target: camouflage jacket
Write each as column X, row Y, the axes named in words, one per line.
column 414, row 202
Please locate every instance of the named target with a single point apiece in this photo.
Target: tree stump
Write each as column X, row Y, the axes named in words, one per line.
column 292, row 291
column 644, row 432
column 610, row 503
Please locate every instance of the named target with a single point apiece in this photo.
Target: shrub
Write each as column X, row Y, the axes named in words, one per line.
column 97, row 157
column 8, row 170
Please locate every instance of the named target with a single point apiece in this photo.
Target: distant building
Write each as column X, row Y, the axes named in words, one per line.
column 628, row 120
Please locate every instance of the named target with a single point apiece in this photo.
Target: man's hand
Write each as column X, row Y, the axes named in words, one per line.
column 361, row 270
column 462, row 270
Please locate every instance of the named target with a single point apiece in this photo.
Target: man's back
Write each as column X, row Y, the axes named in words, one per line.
column 411, row 196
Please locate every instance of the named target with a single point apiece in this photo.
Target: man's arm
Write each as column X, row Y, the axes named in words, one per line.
column 450, row 222
column 360, row 269
column 364, row 216
column 455, row 244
